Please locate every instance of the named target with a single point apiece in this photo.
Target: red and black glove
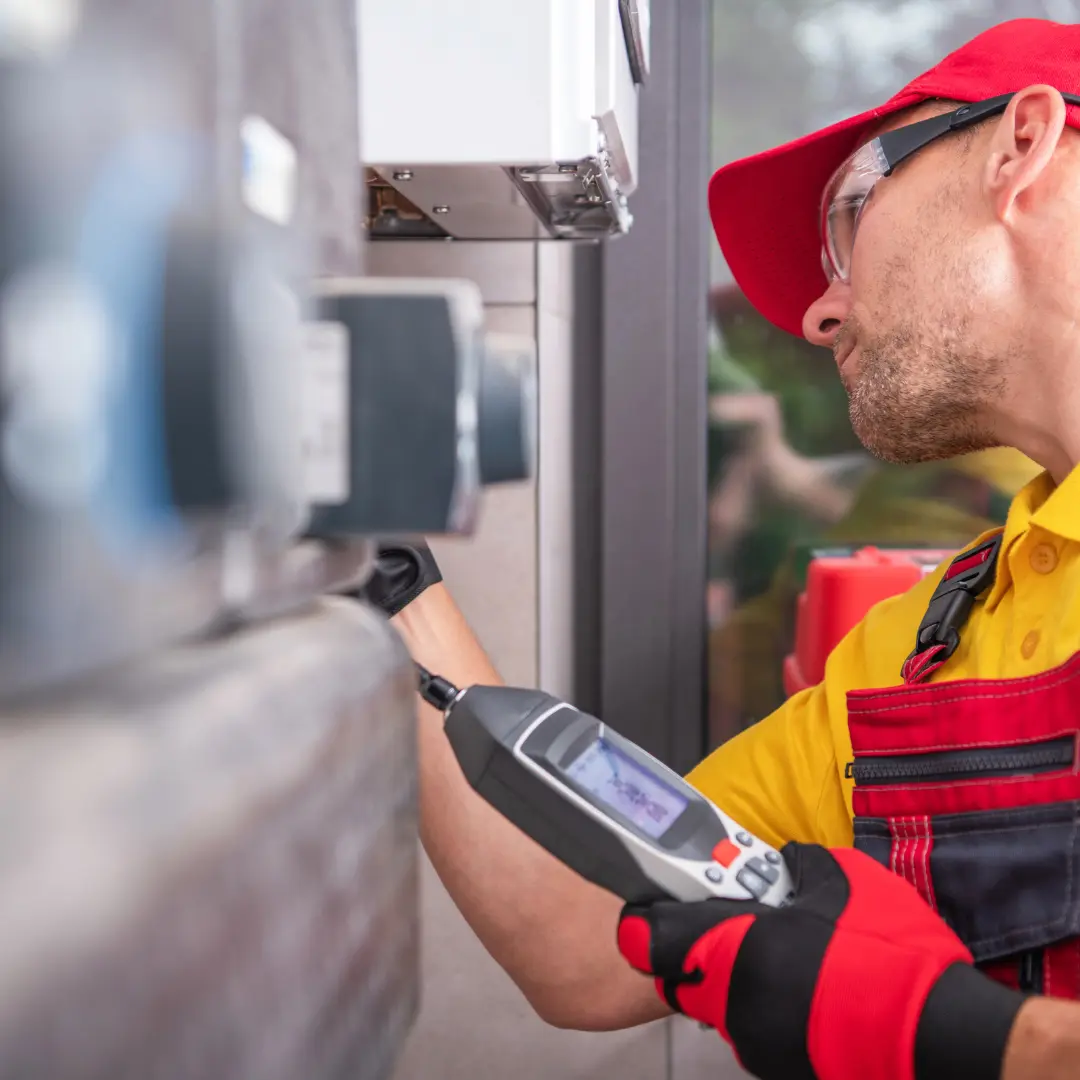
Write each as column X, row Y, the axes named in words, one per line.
column 856, row 979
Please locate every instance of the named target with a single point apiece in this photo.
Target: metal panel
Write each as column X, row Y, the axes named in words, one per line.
column 493, row 573
column 653, row 461
column 209, row 862
column 587, row 437
column 505, row 272
column 555, row 476
column 693, row 231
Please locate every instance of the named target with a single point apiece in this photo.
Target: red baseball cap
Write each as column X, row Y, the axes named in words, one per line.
column 766, row 209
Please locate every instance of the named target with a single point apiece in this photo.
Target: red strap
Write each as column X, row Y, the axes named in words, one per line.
column 966, row 577
column 1061, row 970
column 919, row 667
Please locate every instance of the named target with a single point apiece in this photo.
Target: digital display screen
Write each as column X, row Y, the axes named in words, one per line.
column 623, row 785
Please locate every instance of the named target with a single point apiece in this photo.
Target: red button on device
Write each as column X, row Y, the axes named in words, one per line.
column 725, row 853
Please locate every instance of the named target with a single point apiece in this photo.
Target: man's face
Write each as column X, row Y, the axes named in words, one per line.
column 917, row 332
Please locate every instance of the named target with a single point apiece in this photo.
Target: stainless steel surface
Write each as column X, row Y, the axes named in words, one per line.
column 586, row 204
column 484, row 204
column 567, row 200
column 505, row 271
column 615, row 159
column 208, row 865
column 561, row 464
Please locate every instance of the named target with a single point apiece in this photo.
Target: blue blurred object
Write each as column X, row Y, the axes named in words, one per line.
column 123, row 252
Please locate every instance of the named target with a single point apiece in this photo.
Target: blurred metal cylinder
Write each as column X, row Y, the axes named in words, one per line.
column 437, row 408
column 209, row 862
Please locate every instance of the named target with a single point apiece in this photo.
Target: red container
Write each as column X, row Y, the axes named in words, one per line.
column 840, row 590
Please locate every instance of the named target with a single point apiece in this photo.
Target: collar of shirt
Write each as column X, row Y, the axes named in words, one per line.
column 1043, row 505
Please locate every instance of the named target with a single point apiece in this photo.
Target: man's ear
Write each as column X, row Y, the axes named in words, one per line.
column 1023, row 143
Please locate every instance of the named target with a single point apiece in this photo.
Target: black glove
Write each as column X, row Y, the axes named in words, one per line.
column 403, row 570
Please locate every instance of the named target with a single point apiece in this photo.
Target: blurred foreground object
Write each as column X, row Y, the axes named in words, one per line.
column 117, row 343
column 207, row 417
column 208, row 865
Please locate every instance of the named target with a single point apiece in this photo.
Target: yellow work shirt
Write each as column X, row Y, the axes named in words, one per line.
column 784, row 778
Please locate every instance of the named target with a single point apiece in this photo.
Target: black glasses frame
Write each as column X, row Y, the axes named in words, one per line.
column 900, row 144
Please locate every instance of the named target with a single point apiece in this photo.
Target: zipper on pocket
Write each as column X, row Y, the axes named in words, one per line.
column 982, row 764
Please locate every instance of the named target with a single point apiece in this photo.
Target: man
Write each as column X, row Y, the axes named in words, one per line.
column 951, row 299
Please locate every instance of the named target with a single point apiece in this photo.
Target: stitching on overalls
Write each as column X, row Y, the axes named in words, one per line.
column 1062, row 734
column 1069, row 671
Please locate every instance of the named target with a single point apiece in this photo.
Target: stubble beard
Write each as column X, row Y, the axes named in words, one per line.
column 913, row 402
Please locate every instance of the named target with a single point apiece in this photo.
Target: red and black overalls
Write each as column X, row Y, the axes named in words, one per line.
column 970, row 790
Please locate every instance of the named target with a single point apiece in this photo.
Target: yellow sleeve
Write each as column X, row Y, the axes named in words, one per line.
column 779, row 778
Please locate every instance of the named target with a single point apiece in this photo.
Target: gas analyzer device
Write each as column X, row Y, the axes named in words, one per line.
column 599, row 803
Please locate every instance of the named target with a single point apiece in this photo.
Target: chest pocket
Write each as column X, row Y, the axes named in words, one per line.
column 970, row 790
column 1006, row 881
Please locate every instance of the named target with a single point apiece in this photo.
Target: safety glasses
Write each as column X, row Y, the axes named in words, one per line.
column 848, row 191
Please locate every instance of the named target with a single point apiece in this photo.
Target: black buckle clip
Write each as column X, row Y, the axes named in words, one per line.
column 968, row 575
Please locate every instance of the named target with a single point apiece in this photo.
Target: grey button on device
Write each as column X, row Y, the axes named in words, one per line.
column 745, row 839
column 715, row 874
column 773, row 857
column 769, row 873
column 753, row 883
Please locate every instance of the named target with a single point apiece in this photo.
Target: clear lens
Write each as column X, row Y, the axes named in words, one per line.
column 841, row 206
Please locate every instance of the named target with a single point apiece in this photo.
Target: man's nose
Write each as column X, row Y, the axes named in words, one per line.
column 827, row 314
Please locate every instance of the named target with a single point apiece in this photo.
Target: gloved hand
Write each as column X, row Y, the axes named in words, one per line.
column 403, row 570
column 856, row 979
